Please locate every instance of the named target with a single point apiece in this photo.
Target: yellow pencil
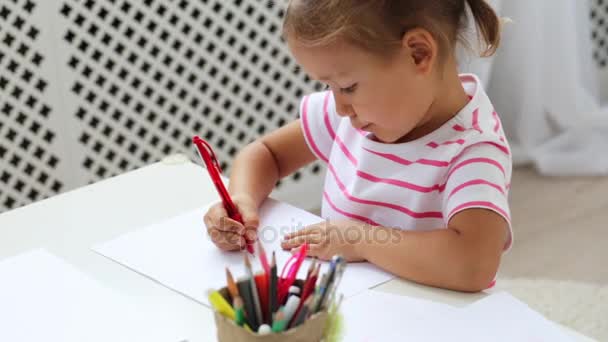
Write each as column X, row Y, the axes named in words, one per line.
column 220, row 305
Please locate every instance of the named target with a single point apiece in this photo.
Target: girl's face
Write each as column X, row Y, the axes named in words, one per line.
column 389, row 97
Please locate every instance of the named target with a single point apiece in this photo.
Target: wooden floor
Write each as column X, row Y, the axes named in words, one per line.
column 560, row 227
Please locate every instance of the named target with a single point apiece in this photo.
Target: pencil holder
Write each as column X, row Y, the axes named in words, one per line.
column 312, row 330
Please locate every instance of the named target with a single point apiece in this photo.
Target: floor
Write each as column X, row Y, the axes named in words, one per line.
column 560, row 228
column 558, row 261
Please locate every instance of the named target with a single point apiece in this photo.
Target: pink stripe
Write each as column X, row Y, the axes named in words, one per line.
column 497, row 125
column 344, row 149
column 330, row 129
column 406, row 162
column 307, row 131
column 483, row 204
column 502, row 148
column 449, row 142
column 333, row 135
column 349, row 215
column 459, row 128
column 436, row 163
column 391, row 157
column 477, row 160
column 473, row 183
column 399, row 183
column 404, row 210
column 476, row 121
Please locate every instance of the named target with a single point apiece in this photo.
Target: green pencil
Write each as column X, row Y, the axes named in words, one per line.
column 279, row 323
column 239, row 312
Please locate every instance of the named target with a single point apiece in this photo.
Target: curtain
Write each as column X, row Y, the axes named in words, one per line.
column 544, row 86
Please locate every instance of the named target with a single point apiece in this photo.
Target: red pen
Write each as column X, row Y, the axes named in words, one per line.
column 290, row 271
column 213, row 167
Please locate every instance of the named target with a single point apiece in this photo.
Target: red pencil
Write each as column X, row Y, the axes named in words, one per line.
column 307, row 290
column 309, row 286
column 261, row 281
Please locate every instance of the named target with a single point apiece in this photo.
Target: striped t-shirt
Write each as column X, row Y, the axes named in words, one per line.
column 417, row 185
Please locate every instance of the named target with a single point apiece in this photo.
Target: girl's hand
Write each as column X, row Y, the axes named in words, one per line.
column 228, row 234
column 329, row 238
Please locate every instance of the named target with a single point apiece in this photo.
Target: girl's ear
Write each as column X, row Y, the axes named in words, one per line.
column 422, row 48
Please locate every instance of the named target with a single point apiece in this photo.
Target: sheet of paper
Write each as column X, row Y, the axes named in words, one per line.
column 179, row 254
column 44, row 299
column 502, row 317
column 379, row 316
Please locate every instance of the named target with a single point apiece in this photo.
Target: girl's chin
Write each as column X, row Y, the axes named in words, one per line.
column 376, row 134
column 388, row 138
column 380, row 138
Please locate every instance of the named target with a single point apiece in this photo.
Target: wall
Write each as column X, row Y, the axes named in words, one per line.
column 93, row 88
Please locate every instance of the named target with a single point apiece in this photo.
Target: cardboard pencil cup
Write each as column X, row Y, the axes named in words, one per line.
column 312, row 330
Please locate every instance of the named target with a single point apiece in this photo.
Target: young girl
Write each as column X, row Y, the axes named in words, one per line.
column 418, row 168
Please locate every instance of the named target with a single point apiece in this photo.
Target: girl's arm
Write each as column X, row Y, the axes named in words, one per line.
column 261, row 164
column 463, row 257
column 256, row 170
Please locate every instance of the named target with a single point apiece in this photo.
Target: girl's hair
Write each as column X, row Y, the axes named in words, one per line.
column 379, row 25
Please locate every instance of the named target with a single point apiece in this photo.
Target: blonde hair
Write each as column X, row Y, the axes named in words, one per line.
column 379, row 25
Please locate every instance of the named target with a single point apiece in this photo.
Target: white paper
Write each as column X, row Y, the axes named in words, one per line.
column 44, row 299
column 379, row 316
column 502, row 317
column 179, row 254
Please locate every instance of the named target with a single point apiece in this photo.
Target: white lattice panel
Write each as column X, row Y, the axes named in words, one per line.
column 599, row 23
column 599, row 19
column 93, row 88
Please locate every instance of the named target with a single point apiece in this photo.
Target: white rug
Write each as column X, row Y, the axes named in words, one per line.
column 580, row 306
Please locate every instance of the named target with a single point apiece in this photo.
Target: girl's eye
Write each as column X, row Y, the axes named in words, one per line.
column 349, row 90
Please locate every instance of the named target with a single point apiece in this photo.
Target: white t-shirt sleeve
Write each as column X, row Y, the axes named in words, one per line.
column 480, row 178
column 319, row 123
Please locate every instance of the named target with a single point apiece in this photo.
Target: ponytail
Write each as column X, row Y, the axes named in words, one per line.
column 488, row 25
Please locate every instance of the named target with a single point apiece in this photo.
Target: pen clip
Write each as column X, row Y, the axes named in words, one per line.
column 206, row 153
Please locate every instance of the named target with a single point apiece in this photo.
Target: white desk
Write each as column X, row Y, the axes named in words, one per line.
column 69, row 224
